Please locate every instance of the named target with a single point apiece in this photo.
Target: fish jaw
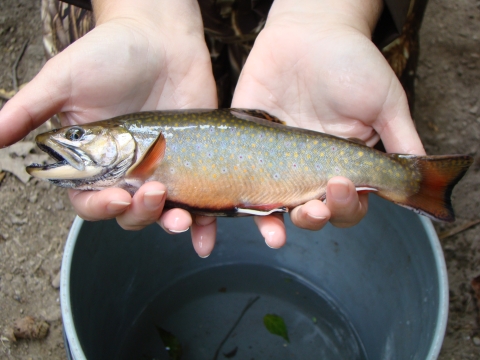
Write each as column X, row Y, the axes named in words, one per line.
column 101, row 156
column 72, row 163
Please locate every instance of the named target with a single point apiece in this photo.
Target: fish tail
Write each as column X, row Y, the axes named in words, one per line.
column 439, row 175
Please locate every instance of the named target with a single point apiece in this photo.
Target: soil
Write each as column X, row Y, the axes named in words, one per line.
column 36, row 217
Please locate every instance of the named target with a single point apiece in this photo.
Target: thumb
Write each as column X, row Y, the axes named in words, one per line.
column 39, row 100
column 395, row 125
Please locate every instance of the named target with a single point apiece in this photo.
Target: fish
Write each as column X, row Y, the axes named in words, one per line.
column 235, row 162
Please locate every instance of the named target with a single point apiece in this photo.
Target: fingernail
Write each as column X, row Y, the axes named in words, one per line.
column 204, row 256
column 153, row 199
column 269, row 237
column 178, row 231
column 117, row 206
column 339, row 190
column 314, row 217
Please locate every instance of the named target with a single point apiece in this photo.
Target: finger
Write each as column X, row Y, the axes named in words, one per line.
column 175, row 221
column 395, row 125
column 39, row 100
column 100, row 205
column 312, row 215
column 272, row 229
column 146, row 208
column 346, row 205
column 204, row 232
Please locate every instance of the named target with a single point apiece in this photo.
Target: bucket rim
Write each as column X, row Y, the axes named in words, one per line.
column 75, row 351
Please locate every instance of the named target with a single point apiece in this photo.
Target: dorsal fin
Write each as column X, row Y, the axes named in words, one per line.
column 146, row 165
column 248, row 114
column 357, row 141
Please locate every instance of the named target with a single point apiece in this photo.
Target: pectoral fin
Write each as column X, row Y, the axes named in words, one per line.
column 146, row 165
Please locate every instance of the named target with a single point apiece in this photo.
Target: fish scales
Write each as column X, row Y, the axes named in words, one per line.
column 220, row 160
column 217, row 162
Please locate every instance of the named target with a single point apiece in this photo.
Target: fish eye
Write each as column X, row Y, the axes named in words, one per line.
column 75, row 134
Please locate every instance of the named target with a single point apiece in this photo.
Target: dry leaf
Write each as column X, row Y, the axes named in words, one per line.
column 30, row 328
column 16, row 157
column 7, row 95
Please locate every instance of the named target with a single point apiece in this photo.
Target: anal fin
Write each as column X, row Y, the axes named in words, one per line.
column 260, row 212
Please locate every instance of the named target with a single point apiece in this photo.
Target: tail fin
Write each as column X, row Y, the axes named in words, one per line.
column 440, row 174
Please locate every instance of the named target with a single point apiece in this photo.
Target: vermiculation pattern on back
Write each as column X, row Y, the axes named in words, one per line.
column 216, row 157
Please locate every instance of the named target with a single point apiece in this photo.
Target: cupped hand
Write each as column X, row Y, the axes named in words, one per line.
column 143, row 58
column 320, row 72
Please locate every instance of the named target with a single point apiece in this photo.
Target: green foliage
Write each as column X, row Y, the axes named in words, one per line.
column 171, row 343
column 276, row 326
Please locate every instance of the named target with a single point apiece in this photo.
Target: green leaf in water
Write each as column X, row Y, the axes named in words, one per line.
column 171, row 343
column 276, row 326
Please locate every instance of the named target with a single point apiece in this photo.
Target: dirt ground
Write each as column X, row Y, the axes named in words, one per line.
column 35, row 217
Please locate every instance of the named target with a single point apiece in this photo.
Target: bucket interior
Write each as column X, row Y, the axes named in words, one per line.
column 374, row 291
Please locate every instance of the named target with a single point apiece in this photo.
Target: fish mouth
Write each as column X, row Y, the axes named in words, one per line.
column 72, row 163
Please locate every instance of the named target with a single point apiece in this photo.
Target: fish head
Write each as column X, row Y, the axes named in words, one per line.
column 85, row 154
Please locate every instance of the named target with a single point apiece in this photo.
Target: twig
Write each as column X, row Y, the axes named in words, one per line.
column 458, row 229
column 245, row 309
column 15, row 66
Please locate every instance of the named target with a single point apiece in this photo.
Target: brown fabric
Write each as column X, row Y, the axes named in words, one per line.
column 402, row 54
column 231, row 27
column 391, row 22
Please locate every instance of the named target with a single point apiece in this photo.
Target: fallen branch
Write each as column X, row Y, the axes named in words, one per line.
column 458, row 229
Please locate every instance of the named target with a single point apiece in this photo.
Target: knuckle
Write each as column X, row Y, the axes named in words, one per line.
column 129, row 226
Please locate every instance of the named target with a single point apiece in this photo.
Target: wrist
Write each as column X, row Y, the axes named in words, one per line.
column 179, row 16
column 361, row 15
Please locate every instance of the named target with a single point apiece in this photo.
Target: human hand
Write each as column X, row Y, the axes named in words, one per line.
column 143, row 55
column 314, row 66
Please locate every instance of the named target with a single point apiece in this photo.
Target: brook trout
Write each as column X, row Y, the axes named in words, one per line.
column 231, row 162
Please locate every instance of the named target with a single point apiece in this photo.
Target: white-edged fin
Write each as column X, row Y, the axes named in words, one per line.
column 357, row 141
column 260, row 212
column 365, row 188
column 65, row 172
